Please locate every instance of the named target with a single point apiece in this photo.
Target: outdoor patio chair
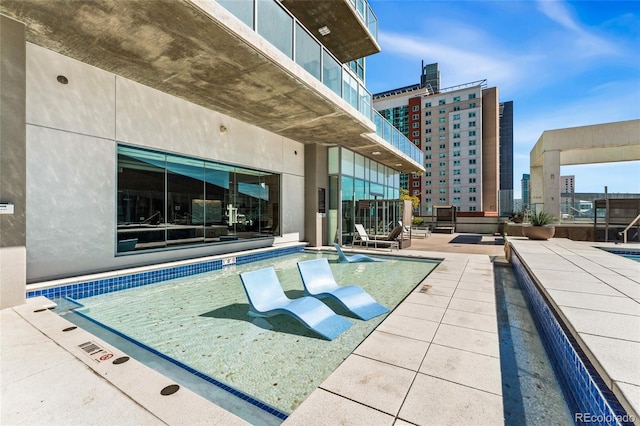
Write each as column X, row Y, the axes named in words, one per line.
column 390, row 241
column 266, row 299
column 319, row 282
column 354, row 257
column 411, row 232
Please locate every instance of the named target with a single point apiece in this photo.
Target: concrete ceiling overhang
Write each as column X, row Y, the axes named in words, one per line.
column 197, row 51
column 349, row 38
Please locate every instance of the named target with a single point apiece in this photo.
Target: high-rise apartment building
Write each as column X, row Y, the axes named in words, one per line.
column 457, row 128
column 506, row 158
column 525, row 185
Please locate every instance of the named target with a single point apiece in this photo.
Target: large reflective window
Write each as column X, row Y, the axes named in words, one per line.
column 307, row 52
column 275, row 25
column 173, row 200
column 241, row 9
column 331, row 73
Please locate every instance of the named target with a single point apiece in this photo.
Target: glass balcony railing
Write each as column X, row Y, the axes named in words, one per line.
column 273, row 22
column 366, row 15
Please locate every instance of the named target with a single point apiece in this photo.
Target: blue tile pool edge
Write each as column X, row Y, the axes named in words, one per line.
column 81, row 290
column 587, row 394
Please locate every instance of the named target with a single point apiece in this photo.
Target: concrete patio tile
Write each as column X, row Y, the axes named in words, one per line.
column 471, row 320
column 618, row 358
column 475, row 295
column 466, row 368
column 438, row 290
column 336, row 410
column 576, row 284
column 477, row 341
column 393, row 349
column 438, row 282
column 373, row 383
column 624, row 285
column 606, row 324
column 629, row 396
column 595, row 302
column 413, row 328
column 439, row 402
column 488, row 287
column 477, row 307
column 437, row 275
column 417, row 310
column 428, row 299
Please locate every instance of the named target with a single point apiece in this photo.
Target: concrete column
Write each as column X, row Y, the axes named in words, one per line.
column 536, row 186
column 13, row 155
column 315, row 178
column 551, row 176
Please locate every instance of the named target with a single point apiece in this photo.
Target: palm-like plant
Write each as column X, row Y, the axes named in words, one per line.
column 541, row 218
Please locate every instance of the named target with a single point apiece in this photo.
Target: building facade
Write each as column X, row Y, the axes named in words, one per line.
column 457, row 129
column 138, row 135
column 525, row 187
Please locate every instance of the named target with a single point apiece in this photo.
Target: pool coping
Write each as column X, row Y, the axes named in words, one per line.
column 595, row 295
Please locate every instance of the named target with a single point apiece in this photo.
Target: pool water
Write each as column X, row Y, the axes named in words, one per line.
column 202, row 321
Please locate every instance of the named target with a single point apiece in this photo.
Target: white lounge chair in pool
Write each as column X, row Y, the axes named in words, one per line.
column 354, row 257
column 319, row 282
column 266, row 299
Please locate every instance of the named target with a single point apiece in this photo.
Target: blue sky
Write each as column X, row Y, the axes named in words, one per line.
column 562, row 63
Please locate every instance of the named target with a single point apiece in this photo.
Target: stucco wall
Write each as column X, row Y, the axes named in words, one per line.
column 72, row 133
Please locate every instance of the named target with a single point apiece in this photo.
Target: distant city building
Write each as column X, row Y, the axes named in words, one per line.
column 526, row 191
column 457, row 128
column 567, row 197
column 506, row 159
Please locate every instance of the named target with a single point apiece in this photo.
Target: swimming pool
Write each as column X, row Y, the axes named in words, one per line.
column 201, row 321
column 628, row 253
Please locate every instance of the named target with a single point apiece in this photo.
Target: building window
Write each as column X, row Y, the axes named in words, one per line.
column 427, row 122
column 472, row 189
column 456, row 190
column 427, row 157
column 442, row 110
column 442, row 200
column 427, row 148
column 443, row 190
column 442, row 146
column 472, row 209
column 442, row 120
column 456, row 181
column 443, row 182
column 472, row 161
column 442, row 155
column 456, row 126
column 472, row 142
column 416, row 108
column 427, row 139
column 415, row 125
column 456, row 99
column 415, row 133
column 472, row 124
column 415, row 117
column 427, row 182
column 456, row 172
column 472, row 199
column 472, row 105
column 456, row 144
column 456, row 199
column 472, row 114
column 472, row 180
column 415, row 184
column 442, row 129
column 472, row 132
column 442, row 173
column 427, row 191
column 427, row 105
column 416, row 142
column 427, row 130
column 428, row 165
column 472, row 152
column 161, row 202
column 456, row 116
column 443, row 164
column 427, row 174
column 456, row 162
column 456, row 153
column 416, row 192
column 442, row 138
column 427, row 114
column 456, row 108
column 442, row 102
column 428, row 200
column 456, row 135
column 472, row 96
column 472, row 171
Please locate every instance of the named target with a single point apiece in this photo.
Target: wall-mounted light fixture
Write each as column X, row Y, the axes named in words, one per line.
column 375, row 153
column 324, row 30
column 62, row 79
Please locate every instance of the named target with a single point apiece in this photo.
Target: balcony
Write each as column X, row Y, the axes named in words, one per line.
column 282, row 80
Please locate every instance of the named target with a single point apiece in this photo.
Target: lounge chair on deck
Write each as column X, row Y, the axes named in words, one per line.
column 354, row 257
column 267, row 299
column 390, row 241
column 319, row 282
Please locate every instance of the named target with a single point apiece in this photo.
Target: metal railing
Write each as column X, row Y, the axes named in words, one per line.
column 624, row 233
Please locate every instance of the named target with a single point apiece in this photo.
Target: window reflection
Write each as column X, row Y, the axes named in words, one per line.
column 169, row 200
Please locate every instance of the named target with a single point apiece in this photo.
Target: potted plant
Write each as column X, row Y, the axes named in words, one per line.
column 540, row 226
